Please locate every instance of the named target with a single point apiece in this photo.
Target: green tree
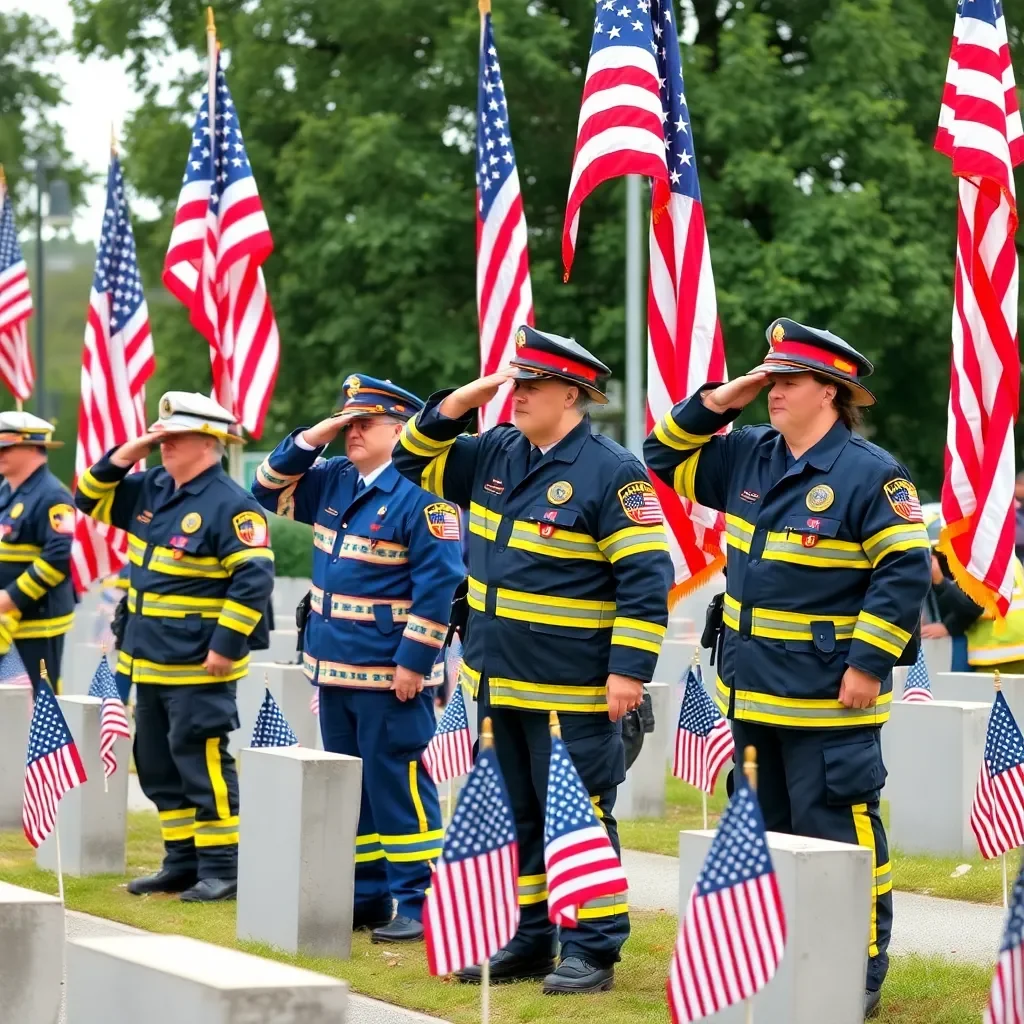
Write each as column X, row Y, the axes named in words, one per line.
column 813, row 122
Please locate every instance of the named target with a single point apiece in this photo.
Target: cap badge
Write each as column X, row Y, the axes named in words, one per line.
column 191, row 522
column 778, row 334
column 352, row 385
column 820, row 497
column 165, row 407
column 559, row 493
column 520, row 338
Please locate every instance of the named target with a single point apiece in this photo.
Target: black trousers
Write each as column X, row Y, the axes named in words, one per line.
column 826, row 783
column 49, row 649
column 522, row 741
column 181, row 755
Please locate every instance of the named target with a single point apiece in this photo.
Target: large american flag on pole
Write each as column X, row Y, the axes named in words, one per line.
column 449, row 753
column 620, row 126
column 733, row 932
column 16, row 367
column 703, row 738
column 472, row 905
column 980, row 130
column 117, row 360
column 1006, row 995
column 113, row 719
column 214, row 264
column 997, row 814
column 684, row 337
column 579, row 858
column 53, row 766
column 504, row 296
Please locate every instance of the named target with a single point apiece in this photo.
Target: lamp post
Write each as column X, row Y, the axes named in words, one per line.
column 58, row 215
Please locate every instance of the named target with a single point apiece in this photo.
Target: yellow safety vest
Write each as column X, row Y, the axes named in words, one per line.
column 985, row 646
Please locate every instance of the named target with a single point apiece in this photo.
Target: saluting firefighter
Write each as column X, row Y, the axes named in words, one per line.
column 569, row 573
column 200, row 581
column 37, row 521
column 828, row 568
column 386, row 562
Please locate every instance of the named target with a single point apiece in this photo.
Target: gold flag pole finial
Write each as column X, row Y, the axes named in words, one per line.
column 485, row 7
column 556, row 729
column 211, row 25
column 42, row 671
column 696, row 656
column 750, row 765
column 997, row 680
column 486, row 735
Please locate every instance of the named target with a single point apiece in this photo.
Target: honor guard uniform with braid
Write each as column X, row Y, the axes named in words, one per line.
column 828, row 568
column 386, row 562
column 569, row 573
column 37, row 521
column 199, row 585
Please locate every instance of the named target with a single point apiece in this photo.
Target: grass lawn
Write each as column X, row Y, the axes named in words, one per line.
column 930, row 876
column 918, row 992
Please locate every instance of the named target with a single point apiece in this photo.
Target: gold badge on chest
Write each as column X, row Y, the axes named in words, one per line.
column 191, row 522
column 16, row 510
column 820, row 497
column 559, row 493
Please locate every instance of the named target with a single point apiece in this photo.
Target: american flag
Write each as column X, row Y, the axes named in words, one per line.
column 12, row 669
column 703, row 737
column 113, row 720
column 504, row 296
column 980, row 130
column 733, row 932
column 16, row 367
column 579, row 858
column 620, row 127
column 452, row 664
column 472, row 905
column 214, row 262
column 684, row 338
column 52, row 768
column 997, row 814
column 918, row 687
column 1006, row 995
column 117, row 360
column 272, row 728
column 449, row 753
column 443, row 521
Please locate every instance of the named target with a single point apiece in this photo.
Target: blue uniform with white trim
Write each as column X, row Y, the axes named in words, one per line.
column 386, row 562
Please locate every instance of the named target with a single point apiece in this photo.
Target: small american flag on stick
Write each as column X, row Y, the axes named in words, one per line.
column 113, row 720
column 472, row 906
column 449, row 753
column 16, row 368
column 918, row 687
column 733, row 933
column 997, row 814
column 12, row 669
column 53, row 766
column 272, row 728
column 703, row 738
column 1006, row 996
column 579, row 858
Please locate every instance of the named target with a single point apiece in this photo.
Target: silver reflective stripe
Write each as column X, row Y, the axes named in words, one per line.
column 619, row 899
column 565, row 545
column 889, row 637
column 478, row 524
column 849, row 716
column 581, row 617
column 779, row 545
column 884, row 879
column 654, row 635
column 585, row 700
column 762, row 619
column 212, row 828
column 739, row 532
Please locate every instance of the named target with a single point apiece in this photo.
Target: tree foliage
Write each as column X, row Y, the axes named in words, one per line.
column 813, row 122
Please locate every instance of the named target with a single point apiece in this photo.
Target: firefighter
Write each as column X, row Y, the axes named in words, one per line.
column 200, row 581
column 569, row 572
column 828, row 568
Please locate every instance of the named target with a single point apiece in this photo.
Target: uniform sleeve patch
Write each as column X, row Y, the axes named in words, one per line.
column 62, row 518
column 902, row 496
column 442, row 520
column 640, row 503
column 251, row 529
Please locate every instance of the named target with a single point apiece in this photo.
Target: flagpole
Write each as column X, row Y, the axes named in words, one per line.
column 486, row 742
column 3, row 195
column 448, row 801
column 44, row 676
column 997, row 685
column 750, row 771
column 103, row 646
column 703, row 793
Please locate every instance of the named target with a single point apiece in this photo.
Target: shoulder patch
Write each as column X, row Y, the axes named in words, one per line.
column 62, row 518
column 442, row 520
column 251, row 529
column 640, row 503
column 902, row 496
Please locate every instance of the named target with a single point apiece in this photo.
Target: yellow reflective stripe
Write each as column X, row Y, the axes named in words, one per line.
column 644, row 636
column 368, row 848
column 866, row 837
column 136, row 549
column 881, row 634
column 231, row 561
column 216, row 773
column 103, row 510
column 171, row 562
column 28, row 586
column 738, row 532
column 883, row 878
column 144, row 671
column 426, row 631
column 824, row 553
column 798, row 711
column 432, row 477
column 903, row 537
column 633, row 540
column 526, row 536
column 93, row 488
column 177, row 825
column 124, row 662
column 776, row 625
column 684, row 479
column 414, row 791
column 47, row 573
column 217, row 833
column 517, row 693
column 531, row 889
column 35, row 629
column 418, row 443
column 483, row 522
column 271, row 479
column 670, row 434
column 469, row 679
column 19, row 552
column 557, row 611
column 239, row 617
column 604, row 906
column 174, row 606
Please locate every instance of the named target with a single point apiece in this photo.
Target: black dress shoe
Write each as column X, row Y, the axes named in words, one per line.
column 507, row 967
column 401, row 929
column 872, row 1002
column 211, row 890
column 574, row 974
column 369, row 918
column 162, row 881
